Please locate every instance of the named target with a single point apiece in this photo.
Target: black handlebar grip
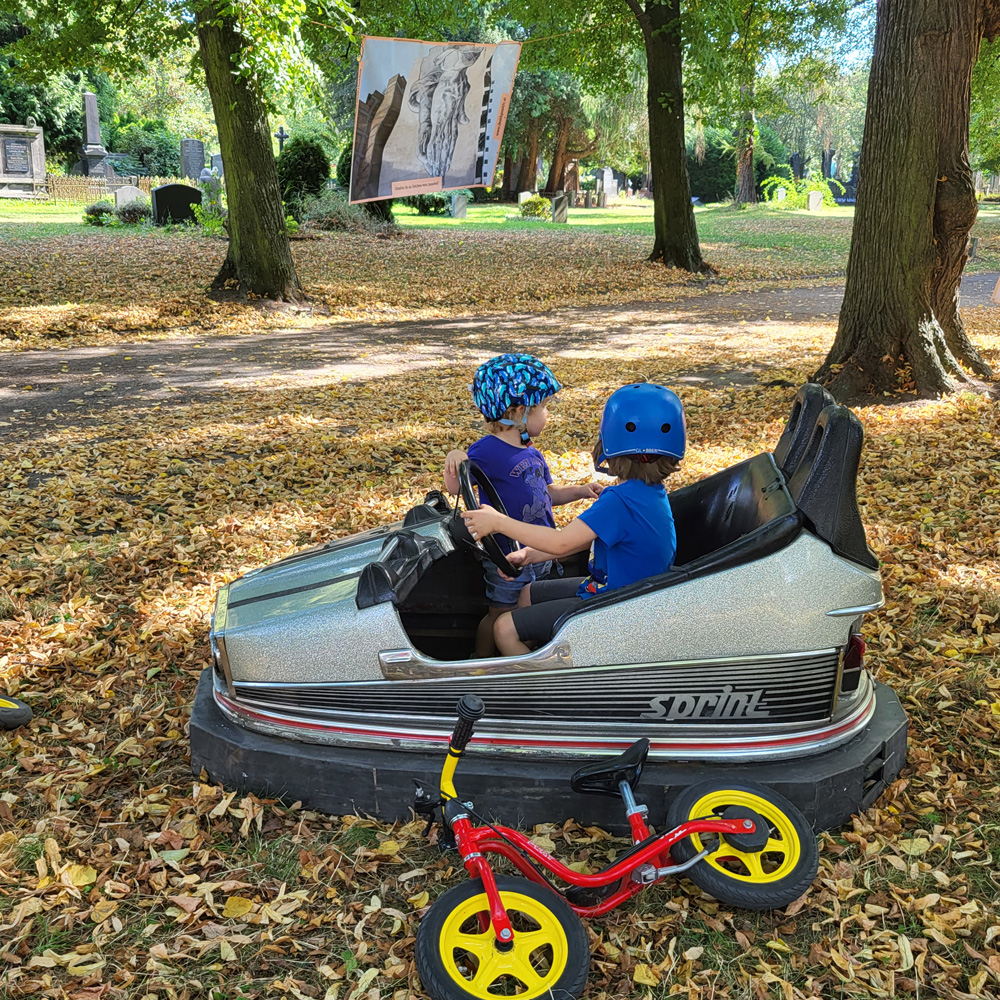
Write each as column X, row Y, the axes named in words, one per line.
column 470, row 710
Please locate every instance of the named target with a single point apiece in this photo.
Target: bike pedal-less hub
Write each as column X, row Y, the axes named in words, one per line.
column 750, row 842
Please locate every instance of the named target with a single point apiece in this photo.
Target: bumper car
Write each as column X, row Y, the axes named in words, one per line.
column 335, row 671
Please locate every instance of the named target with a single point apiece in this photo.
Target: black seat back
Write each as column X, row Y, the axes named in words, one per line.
column 824, row 481
column 710, row 514
column 809, row 402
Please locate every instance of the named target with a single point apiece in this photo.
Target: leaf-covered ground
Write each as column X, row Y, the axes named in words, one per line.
column 63, row 283
column 124, row 876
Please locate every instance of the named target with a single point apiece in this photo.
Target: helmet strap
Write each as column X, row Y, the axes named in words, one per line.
column 521, row 425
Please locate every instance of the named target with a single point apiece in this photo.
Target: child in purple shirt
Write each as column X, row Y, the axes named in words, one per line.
column 511, row 391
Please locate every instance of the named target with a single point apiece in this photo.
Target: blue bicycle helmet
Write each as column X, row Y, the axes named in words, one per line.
column 511, row 380
column 642, row 419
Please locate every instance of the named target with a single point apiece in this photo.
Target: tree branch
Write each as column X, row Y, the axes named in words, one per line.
column 641, row 16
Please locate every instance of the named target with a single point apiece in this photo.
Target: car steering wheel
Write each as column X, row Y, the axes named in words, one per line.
column 489, row 544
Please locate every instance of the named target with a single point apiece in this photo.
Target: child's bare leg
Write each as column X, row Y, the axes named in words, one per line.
column 524, row 598
column 484, row 633
column 508, row 641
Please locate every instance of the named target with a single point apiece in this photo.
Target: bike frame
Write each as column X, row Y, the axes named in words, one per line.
column 476, row 842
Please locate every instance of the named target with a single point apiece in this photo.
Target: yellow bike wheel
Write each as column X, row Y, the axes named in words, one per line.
column 458, row 959
column 765, row 870
column 13, row 713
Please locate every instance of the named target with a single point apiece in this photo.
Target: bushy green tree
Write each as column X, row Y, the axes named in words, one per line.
column 303, row 170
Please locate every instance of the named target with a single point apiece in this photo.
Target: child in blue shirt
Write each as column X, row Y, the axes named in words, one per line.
column 512, row 392
column 630, row 526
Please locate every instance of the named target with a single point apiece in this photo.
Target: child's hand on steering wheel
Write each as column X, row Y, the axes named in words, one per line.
column 483, row 522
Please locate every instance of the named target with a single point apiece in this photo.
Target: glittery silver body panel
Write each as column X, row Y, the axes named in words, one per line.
column 744, row 663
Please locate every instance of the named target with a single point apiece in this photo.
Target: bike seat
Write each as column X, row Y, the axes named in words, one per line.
column 602, row 777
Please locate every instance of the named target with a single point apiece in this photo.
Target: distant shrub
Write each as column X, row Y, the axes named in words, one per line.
column 303, row 170
column 331, row 211
column 99, row 214
column 797, row 194
column 344, row 167
column 434, row 203
column 133, row 212
column 536, row 207
column 212, row 218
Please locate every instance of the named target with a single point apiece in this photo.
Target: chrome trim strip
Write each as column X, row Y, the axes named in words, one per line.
column 746, row 748
column 554, row 656
column 862, row 610
column 410, row 665
column 219, row 634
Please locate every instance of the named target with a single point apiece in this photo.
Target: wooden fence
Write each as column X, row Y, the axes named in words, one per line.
column 86, row 190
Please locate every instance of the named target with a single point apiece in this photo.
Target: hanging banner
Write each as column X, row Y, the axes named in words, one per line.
column 430, row 115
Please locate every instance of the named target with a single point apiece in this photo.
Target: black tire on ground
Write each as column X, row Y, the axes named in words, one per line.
column 444, row 964
column 725, row 873
column 13, row 713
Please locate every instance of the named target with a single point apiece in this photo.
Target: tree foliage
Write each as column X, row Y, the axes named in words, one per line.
column 303, row 170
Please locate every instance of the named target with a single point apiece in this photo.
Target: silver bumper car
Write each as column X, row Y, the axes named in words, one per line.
column 336, row 670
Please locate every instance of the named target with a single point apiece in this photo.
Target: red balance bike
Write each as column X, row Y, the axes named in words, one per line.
column 496, row 935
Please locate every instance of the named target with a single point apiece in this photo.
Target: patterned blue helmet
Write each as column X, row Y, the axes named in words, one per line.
column 511, row 380
column 642, row 419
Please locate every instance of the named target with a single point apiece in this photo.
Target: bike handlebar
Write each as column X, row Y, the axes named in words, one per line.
column 470, row 710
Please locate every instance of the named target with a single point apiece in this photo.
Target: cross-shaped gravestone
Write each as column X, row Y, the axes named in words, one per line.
column 281, row 135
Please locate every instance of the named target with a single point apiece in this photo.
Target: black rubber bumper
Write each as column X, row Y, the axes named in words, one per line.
column 827, row 787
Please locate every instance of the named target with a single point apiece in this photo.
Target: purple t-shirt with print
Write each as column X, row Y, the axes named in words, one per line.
column 521, row 477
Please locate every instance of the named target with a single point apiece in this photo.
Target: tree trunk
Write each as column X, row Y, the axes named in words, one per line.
column 260, row 256
column 675, row 236
column 528, row 174
column 558, row 168
column 746, row 180
column 508, row 177
column 899, row 325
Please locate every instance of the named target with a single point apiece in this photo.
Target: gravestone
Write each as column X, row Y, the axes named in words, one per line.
column 459, row 206
column 174, row 203
column 602, row 199
column 523, row 196
column 588, row 199
column 127, row 193
column 192, row 158
column 22, row 161
column 560, row 207
column 93, row 162
column 780, row 194
column 217, row 164
column 211, row 188
column 572, row 198
column 815, row 201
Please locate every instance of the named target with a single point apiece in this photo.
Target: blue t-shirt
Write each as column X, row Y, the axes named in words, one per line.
column 521, row 477
column 635, row 535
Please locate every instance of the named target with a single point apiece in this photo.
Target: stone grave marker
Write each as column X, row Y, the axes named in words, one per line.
column 93, row 162
column 174, row 203
column 459, row 206
column 22, row 161
column 602, row 199
column 217, row 164
column 211, row 188
column 523, row 196
column 192, row 158
column 780, row 194
column 560, row 207
column 815, row 201
column 588, row 199
column 127, row 193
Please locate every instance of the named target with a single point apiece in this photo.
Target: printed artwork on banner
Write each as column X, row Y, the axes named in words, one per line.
column 430, row 115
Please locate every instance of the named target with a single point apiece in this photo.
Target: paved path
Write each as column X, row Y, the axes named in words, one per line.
column 68, row 383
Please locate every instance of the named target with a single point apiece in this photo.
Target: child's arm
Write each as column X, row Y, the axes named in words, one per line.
column 522, row 557
column 567, row 494
column 558, row 542
column 451, row 462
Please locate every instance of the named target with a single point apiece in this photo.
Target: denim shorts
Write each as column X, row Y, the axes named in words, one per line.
column 501, row 593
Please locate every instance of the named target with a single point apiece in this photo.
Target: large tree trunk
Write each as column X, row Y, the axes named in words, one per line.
column 260, row 256
column 746, row 181
column 528, row 174
column 559, row 159
column 675, row 241
column 899, row 324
